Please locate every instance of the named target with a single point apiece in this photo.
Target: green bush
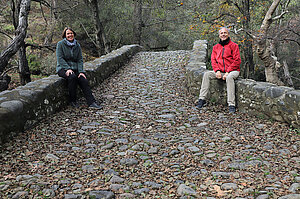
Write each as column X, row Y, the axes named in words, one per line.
column 34, row 64
column 48, row 64
column 9, row 28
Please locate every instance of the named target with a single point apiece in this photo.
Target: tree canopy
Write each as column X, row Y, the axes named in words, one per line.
column 103, row 26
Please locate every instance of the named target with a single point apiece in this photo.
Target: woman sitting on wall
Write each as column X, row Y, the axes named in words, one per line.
column 70, row 67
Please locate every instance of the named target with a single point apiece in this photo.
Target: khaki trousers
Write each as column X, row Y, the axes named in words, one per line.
column 208, row 75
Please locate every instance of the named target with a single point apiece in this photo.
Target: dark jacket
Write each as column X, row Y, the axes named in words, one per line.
column 69, row 57
column 226, row 58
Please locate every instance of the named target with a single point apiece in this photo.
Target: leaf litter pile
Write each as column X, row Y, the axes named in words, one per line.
column 149, row 141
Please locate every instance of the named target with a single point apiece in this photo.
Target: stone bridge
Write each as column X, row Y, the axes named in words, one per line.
column 149, row 141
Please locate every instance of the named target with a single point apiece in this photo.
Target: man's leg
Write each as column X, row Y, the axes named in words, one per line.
column 231, row 87
column 205, row 83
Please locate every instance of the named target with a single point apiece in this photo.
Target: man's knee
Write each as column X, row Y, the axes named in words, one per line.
column 209, row 74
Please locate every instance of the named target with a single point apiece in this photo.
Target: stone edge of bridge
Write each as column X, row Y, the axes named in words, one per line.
column 261, row 99
column 25, row 106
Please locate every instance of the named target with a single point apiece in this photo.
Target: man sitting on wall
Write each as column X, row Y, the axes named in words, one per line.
column 225, row 61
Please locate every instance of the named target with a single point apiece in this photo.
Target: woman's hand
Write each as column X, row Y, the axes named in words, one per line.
column 68, row 72
column 82, row 74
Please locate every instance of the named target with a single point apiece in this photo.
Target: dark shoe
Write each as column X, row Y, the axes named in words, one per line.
column 201, row 103
column 94, row 105
column 231, row 109
column 74, row 104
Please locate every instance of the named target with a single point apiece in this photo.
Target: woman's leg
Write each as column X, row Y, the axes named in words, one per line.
column 85, row 87
column 71, row 82
column 72, row 87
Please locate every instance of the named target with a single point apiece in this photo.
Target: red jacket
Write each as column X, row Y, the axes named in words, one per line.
column 227, row 58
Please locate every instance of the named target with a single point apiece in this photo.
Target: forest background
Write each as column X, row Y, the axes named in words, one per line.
column 267, row 38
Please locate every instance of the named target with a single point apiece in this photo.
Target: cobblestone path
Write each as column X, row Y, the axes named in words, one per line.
column 150, row 141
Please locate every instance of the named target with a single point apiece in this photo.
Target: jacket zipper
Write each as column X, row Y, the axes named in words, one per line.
column 223, row 58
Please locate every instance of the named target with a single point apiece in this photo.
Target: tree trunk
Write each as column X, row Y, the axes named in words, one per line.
column 100, row 33
column 24, row 72
column 248, row 48
column 287, row 75
column 137, row 22
column 49, row 36
column 265, row 48
column 14, row 46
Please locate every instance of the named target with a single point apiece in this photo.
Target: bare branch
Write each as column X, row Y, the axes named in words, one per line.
column 162, row 21
column 14, row 46
column 43, row 2
column 293, row 31
column 268, row 17
column 236, row 31
column 291, row 40
column 7, row 70
column 279, row 16
column 75, row 4
column 89, row 35
column 49, row 47
column 4, row 33
column 43, row 14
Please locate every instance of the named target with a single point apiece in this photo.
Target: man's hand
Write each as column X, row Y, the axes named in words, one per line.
column 69, row 72
column 82, row 74
column 225, row 76
column 218, row 75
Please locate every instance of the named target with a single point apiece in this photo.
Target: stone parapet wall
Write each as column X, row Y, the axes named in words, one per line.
column 257, row 98
column 26, row 105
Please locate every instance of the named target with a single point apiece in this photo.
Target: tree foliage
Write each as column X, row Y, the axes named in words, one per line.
column 159, row 25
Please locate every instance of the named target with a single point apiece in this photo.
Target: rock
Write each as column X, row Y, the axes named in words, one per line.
column 194, row 149
column 110, row 172
column 23, row 177
column 129, row 161
column 119, row 187
column 116, row 179
column 51, row 157
column 48, row 193
column 73, row 196
column 208, row 163
column 153, row 185
column 290, row 196
column 226, row 139
column 185, row 190
column 121, row 141
column 88, row 168
column 229, row 186
column 108, row 146
column 77, row 186
column 294, row 187
column 102, row 194
column 126, row 196
column 153, row 150
column 202, row 124
column 20, row 194
column 142, row 190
